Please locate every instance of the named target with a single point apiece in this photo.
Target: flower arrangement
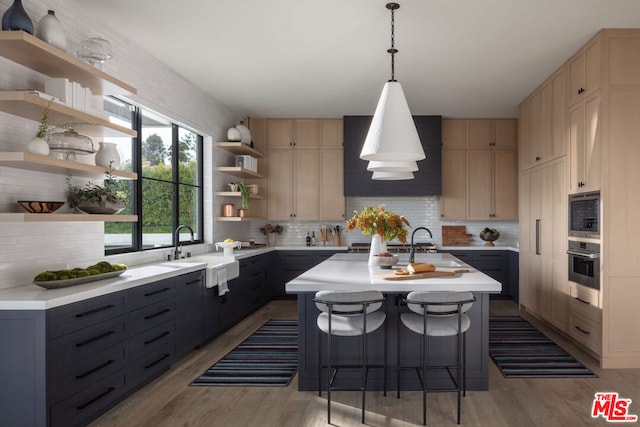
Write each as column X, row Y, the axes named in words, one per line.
column 380, row 221
column 271, row 229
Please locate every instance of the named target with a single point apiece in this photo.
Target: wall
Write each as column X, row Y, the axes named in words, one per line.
column 29, row 248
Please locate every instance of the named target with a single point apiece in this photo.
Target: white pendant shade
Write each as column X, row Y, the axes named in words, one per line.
column 392, row 135
column 392, row 176
column 375, row 166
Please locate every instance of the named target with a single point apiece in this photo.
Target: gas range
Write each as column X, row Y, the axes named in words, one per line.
column 420, row 248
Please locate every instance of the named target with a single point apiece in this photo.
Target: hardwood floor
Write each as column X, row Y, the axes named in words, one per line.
column 170, row 401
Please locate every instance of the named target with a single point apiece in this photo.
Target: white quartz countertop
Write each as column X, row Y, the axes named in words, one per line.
column 344, row 272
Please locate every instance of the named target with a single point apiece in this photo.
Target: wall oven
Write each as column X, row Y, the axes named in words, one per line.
column 584, row 263
column 584, row 215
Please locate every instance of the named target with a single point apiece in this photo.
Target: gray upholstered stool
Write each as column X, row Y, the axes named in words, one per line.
column 440, row 314
column 354, row 314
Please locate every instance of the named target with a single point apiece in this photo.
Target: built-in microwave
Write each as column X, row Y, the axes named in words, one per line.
column 584, row 215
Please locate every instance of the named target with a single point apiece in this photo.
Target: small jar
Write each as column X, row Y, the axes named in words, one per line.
column 228, row 210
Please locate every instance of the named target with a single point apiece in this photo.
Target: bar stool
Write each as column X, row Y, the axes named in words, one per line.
column 353, row 313
column 440, row 314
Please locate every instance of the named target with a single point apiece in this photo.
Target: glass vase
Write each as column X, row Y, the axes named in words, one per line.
column 16, row 19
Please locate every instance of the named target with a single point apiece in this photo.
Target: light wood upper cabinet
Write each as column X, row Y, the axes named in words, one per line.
column 585, row 145
column 293, row 185
column 484, row 133
column 332, row 201
column 454, row 133
column 331, row 134
column 492, row 184
column 479, row 133
column 293, row 133
column 584, row 71
column 453, row 201
column 559, row 102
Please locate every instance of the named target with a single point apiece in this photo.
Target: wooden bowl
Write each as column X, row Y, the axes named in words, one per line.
column 33, row 206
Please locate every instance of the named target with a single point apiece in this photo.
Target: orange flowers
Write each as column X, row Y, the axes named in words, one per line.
column 379, row 221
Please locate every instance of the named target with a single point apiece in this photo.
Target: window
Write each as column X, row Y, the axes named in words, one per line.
column 169, row 190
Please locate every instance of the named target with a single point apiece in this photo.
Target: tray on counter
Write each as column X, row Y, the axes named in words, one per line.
column 56, row 284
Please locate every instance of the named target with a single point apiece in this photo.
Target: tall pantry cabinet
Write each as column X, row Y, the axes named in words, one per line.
column 601, row 122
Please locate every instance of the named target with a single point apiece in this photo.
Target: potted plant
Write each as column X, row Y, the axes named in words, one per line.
column 270, row 231
column 489, row 235
column 97, row 199
column 244, row 192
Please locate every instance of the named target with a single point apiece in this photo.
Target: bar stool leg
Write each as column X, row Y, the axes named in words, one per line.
column 320, row 364
column 398, row 353
column 425, row 349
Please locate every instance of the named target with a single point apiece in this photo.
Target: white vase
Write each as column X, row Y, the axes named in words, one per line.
column 377, row 247
column 233, row 134
column 106, row 154
column 50, row 30
column 244, row 132
column 38, row 146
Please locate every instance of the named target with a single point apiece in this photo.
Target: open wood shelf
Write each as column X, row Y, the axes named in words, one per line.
column 27, row 50
column 30, row 106
column 239, row 148
column 65, row 217
column 237, row 219
column 237, row 171
column 237, row 194
column 40, row 163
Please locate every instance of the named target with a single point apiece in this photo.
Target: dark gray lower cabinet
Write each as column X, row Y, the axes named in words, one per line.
column 190, row 316
column 293, row 263
column 494, row 263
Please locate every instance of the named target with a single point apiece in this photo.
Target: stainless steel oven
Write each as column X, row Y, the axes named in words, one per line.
column 584, row 263
column 584, row 215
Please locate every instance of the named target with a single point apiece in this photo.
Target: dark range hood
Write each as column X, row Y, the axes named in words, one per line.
column 357, row 179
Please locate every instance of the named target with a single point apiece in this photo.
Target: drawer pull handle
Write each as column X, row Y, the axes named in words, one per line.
column 193, row 282
column 95, row 310
column 160, row 313
column 152, row 364
column 159, row 291
column 583, row 331
column 162, row 335
column 94, row 339
column 583, row 301
column 96, row 369
column 92, row 401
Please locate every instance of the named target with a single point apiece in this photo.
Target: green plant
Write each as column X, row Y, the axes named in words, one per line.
column 244, row 192
column 379, row 221
column 43, row 128
column 91, row 192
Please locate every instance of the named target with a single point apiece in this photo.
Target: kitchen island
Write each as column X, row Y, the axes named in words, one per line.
column 344, row 272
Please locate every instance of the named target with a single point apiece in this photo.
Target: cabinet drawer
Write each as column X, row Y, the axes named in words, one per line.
column 145, row 369
column 490, row 257
column 152, row 293
column 85, row 406
column 83, row 344
column 152, row 339
column 585, row 331
column 584, row 295
column 151, row 316
column 76, row 376
column 76, row 316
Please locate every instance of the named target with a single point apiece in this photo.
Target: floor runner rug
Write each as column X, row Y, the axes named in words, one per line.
column 269, row 357
column 520, row 350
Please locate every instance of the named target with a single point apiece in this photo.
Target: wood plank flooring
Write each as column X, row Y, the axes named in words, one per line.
column 170, row 401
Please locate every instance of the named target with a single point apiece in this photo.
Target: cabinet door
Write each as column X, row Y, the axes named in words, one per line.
column 453, row 201
column 505, row 133
column 306, row 184
column 454, row 134
column 524, row 144
column 505, row 185
column 584, row 145
column 331, row 134
column 559, row 114
column 190, row 316
column 280, row 201
column 480, row 182
column 543, row 147
column 576, row 77
column 280, row 133
column 480, row 133
column 332, row 203
column 305, row 134
column 576, row 153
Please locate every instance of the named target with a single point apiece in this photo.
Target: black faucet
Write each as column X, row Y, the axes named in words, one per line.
column 176, row 238
column 412, row 251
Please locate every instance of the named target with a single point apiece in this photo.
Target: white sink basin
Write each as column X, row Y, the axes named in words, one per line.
column 214, row 263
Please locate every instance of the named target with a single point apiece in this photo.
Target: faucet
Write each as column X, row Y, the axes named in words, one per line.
column 412, row 250
column 176, row 238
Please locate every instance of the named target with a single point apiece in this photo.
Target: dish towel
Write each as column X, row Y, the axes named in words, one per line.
column 223, row 288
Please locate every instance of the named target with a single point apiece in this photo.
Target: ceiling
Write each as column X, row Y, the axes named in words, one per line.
column 327, row 58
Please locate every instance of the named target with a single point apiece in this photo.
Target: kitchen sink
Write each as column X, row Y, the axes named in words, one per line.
column 214, row 263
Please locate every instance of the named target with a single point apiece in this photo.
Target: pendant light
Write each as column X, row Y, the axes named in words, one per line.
column 375, row 166
column 392, row 176
column 392, row 136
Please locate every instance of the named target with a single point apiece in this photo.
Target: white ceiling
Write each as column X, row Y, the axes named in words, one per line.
column 327, row 58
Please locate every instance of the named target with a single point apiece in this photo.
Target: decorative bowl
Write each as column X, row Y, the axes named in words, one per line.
column 387, row 260
column 95, row 208
column 33, row 206
column 489, row 235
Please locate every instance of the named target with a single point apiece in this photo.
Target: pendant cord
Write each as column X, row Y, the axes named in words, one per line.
column 393, row 50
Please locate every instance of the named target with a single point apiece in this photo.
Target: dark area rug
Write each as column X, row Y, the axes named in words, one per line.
column 522, row 351
column 269, row 357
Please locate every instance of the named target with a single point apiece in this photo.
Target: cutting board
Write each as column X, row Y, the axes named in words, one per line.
column 426, row 275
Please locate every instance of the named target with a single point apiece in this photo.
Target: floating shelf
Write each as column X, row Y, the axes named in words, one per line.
column 237, row 171
column 239, row 148
column 30, row 106
column 237, row 219
column 238, row 194
column 27, row 50
column 40, row 163
column 64, row 217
